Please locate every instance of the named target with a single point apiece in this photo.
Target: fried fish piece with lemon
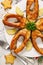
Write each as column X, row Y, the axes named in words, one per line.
column 19, row 11
column 29, row 46
column 10, row 59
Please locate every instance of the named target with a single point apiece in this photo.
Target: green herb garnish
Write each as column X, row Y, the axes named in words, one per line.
column 40, row 59
column 31, row 26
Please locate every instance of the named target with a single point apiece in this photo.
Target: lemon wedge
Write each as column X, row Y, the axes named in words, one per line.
column 11, row 31
column 29, row 46
column 41, row 12
column 19, row 11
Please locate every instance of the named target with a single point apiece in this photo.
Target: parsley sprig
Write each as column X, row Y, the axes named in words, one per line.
column 40, row 59
column 31, row 26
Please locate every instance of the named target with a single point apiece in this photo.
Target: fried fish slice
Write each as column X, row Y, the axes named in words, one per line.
column 39, row 24
column 36, row 34
column 26, row 34
column 32, row 12
column 19, row 24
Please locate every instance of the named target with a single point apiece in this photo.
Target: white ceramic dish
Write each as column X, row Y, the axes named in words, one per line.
column 22, row 5
column 32, row 52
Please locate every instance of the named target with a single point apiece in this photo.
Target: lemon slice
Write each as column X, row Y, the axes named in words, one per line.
column 11, row 31
column 19, row 11
column 41, row 12
column 29, row 46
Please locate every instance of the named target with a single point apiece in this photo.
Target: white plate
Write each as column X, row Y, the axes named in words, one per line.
column 22, row 5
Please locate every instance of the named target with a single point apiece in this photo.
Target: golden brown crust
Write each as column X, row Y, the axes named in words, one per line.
column 26, row 34
column 39, row 24
column 32, row 14
column 36, row 34
column 19, row 24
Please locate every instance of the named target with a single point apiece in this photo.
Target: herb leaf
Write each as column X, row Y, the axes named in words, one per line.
column 40, row 59
column 31, row 26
